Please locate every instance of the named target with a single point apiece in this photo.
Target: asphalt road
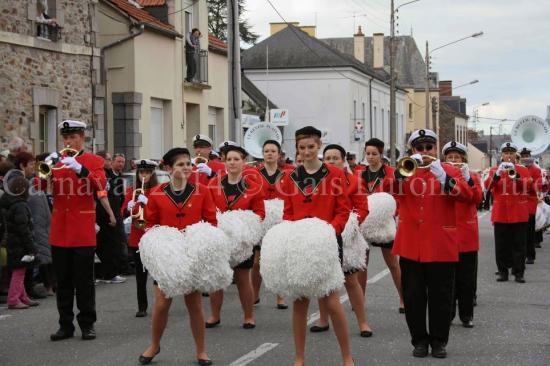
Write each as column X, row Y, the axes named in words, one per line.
column 512, row 327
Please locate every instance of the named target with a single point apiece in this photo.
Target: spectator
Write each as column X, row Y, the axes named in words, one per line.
column 5, row 167
column 15, row 146
column 4, row 155
column 20, row 246
column 192, row 47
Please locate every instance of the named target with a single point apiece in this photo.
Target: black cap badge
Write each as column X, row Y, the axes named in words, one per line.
column 65, row 124
column 453, row 144
column 143, row 162
column 197, row 137
column 507, row 144
column 422, row 133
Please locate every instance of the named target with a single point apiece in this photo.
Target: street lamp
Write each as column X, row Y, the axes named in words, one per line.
column 476, row 113
column 427, row 91
column 470, row 83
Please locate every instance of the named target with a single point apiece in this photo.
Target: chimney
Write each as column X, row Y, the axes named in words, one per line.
column 378, row 50
column 446, row 88
column 359, row 45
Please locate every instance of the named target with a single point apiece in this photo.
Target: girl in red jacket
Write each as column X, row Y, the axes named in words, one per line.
column 178, row 204
column 317, row 190
column 146, row 179
column 237, row 192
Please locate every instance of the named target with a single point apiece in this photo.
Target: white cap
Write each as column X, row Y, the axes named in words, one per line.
column 508, row 145
column 68, row 126
column 5, row 153
column 204, row 138
column 145, row 164
column 456, row 146
column 421, row 135
column 227, row 143
column 215, row 153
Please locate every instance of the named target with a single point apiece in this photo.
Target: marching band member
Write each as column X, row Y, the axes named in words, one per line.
column 222, row 146
column 378, row 177
column 467, row 235
column 146, row 179
column 202, row 145
column 178, row 204
column 271, row 177
column 237, row 192
column 426, row 243
column 72, row 231
column 536, row 182
column 509, row 184
column 334, row 155
column 315, row 189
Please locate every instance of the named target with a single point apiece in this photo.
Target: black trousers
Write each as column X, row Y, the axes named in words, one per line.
column 428, row 285
column 465, row 286
column 530, row 241
column 109, row 250
column 510, row 247
column 191, row 65
column 141, row 281
column 74, row 269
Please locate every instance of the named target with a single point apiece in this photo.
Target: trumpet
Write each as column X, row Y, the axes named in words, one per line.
column 407, row 166
column 458, row 165
column 199, row 159
column 137, row 219
column 45, row 169
column 511, row 171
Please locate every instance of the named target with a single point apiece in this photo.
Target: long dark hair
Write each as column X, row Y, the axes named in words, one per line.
column 152, row 181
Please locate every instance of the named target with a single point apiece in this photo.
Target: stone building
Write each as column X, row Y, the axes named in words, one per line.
column 49, row 68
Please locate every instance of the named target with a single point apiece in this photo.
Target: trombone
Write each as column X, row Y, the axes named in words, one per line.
column 46, row 168
column 137, row 219
column 407, row 166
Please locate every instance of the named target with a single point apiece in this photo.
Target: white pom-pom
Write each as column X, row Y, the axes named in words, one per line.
column 273, row 213
column 300, row 259
column 355, row 246
column 164, row 254
column 208, row 251
column 244, row 229
column 379, row 226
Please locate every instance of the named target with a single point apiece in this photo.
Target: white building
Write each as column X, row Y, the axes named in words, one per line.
column 338, row 94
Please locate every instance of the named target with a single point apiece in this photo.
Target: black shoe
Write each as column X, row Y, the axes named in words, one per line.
column 249, row 326
column 420, row 350
column 475, row 300
column 366, row 333
column 147, row 360
column 318, row 329
column 35, row 294
column 88, row 334
column 537, row 245
column 530, row 261
column 439, row 352
column 282, row 306
column 519, row 279
column 257, row 302
column 141, row 314
column 468, row 324
column 401, row 310
column 502, row 277
column 212, row 325
column 61, row 334
column 204, row 362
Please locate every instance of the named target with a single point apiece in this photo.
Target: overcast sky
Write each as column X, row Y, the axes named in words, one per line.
column 511, row 60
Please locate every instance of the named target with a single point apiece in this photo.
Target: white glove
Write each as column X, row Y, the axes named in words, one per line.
column 503, row 166
column 418, row 158
column 131, row 205
column 465, row 172
column 52, row 156
column 27, row 258
column 203, row 168
column 438, row 172
column 142, row 199
column 71, row 163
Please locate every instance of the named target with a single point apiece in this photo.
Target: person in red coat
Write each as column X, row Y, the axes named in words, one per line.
column 536, row 188
column 146, row 179
column 315, row 189
column 379, row 177
column 270, row 178
column 178, row 204
column 426, row 243
column 72, row 232
column 510, row 215
column 334, row 155
column 455, row 154
column 237, row 192
column 202, row 145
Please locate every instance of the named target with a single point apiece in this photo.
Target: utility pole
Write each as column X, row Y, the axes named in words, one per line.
column 490, row 146
column 393, row 124
column 234, row 62
column 427, row 90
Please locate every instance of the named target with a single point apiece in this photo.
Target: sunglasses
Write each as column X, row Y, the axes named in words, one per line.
column 424, row 147
column 350, row 158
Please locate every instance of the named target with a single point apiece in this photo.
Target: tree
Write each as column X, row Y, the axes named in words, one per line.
column 217, row 21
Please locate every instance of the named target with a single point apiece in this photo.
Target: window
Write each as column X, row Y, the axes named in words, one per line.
column 382, row 127
column 188, row 22
column 410, row 111
column 363, row 117
column 47, row 129
column 375, row 124
column 47, row 26
column 156, row 142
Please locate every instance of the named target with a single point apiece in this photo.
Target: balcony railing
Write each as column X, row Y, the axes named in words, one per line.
column 48, row 31
column 200, row 59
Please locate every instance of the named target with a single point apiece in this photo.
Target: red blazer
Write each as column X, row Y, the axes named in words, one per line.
column 271, row 191
column 466, row 218
column 327, row 201
column 427, row 231
column 162, row 209
column 135, row 233
column 217, row 166
column 536, row 187
column 73, row 216
column 357, row 197
column 510, row 197
column 251, row 199
column 386, row 184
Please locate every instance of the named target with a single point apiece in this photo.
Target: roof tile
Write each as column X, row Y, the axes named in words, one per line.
column 151, row 2
column 141, row 15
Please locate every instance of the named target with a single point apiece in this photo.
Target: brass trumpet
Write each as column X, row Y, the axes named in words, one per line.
column 199, row 159
column 458, row 165
column 45, row 169
column 137, row 220
column 407, row 166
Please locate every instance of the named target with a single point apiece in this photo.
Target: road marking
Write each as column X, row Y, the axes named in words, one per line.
column 253, row 355
column 3, row 317
column 266, row 347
